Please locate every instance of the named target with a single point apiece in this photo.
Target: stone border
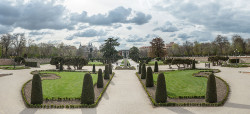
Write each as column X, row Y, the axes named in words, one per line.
column 62, row 106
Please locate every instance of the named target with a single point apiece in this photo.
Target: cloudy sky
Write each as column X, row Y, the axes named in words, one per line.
column 134, row 22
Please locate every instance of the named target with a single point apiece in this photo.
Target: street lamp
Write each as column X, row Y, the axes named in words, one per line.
column 235, row 52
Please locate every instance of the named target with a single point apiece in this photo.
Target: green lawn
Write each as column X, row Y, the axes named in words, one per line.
column 96, row 63
column 69, row 85
column 153, row 62
column 182, row 83
column 123, row 62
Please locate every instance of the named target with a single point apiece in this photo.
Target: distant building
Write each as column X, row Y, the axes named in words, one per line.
column 169, row 45
column 87, row 51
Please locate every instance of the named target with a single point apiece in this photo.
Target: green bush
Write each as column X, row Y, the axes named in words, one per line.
column 19, row 60
column 161, row 91
column 106, row 72
column 234, row 60
column 211, row 95
column 93, row 70
column 61, row 67
column 88, row 94
column 193, row 64
column 36, row 90
column 149, row 78
column 110, row 68
column 156, row 67
column 100, row 79
column 143, row 74
column 140, row 68
column 31, row 64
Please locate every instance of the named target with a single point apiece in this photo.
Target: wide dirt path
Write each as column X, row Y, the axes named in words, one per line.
column 125, row 95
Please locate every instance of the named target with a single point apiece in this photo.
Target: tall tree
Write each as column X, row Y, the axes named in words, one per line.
column 6, row 41
column 222, row 43
column 188, row 46
column 108, row 49
column 134, row 53
column 19, row 42
column 239, row 43
column 157, row 45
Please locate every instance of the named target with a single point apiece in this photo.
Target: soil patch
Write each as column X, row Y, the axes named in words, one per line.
column 28, row 86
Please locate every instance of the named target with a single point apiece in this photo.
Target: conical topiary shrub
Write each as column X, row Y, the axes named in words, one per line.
column 106, row 72
column 149, row 78
column 211, row 95
column 88, row 94
column 61, row 67
column 36, row 90
column 93, row 69
column 161, row 91
column 156, row 67
column 139, row 68
column 110, row 68
column 100, row 79
column 143, row 72
column 193, row 64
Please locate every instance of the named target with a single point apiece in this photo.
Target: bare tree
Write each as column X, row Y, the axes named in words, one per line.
column 19, row 43
column 157, row 45
column 6, row 43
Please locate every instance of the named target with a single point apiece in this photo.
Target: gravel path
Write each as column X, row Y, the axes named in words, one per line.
column 125, row 95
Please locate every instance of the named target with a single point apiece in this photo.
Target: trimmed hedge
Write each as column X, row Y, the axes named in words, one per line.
column 31, row 64
column 211, row 94
column 140, row 67
column 88, row 94
column 100, row 79
column 161, row 91
column 149, row 78
column 193, row 64
column 234, row 60
column 156, row 67
column 36, row 90
column 143, row 73
column 106, row 72
column 110, row 68
column 93, row 69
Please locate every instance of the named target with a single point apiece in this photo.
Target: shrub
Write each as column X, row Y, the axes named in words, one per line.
column 88, row 95
column 140, row 68
column 234, row 60
column 100, row 79
column 36, row 90
column 149, row 78
column 31, row 64
column 211, row 95
column 19, row 60
column 143, row 74
column 110, row 68
column 61, row 67
column 156, row 67
column 106, row 72
column 193, row 64
column 93, row 70
column 161, row 91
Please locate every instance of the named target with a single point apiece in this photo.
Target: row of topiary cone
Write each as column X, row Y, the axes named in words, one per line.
column 161, row 91
column 87, row 96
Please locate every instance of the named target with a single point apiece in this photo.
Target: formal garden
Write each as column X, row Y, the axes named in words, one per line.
column 183, row 87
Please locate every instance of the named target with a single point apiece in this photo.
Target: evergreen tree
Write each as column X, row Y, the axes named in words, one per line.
column 149, row 78
column 156, row 67
column 88, row 94
column 100, row 79
column 93, row 70
column 161, row 91
column 36, row 91
column 143, row 74
column 193, row 64
column 106, row 72
column 211, row 95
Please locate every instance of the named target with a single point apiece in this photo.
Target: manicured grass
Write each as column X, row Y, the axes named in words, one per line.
column 69, row 85
column 123, row 62
column 12, row 67
column 153, row 62
column 96, row 63
column 183, row 83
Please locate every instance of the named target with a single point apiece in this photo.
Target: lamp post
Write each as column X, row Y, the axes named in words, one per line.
column 236, row 52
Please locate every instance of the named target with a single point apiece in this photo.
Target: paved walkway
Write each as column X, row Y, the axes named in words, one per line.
column 125, row 95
